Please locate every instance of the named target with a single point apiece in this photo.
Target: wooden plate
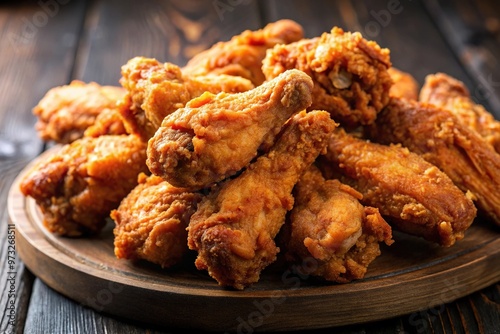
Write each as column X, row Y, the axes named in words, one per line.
column 409, row 276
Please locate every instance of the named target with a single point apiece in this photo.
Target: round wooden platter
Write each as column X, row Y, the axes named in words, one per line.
column 409, row 276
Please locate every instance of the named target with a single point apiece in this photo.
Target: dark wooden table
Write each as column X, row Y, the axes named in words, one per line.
column 48, row 43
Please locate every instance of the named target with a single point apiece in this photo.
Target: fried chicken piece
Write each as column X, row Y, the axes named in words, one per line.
column 77, row 187
column 350, row 74
column 156, row 89
column 65, row 112
column 440, row 138
column 330, row 225
column 449, row 93
column 243, row 54
column 151, row 222
column 412, row 194
column 234, row 228
column 215, row 136
column 108, row 122
column 404, row 84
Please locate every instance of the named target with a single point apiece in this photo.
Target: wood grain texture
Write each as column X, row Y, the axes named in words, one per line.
column 41, row 45
column 472, row 29
column 170, row 31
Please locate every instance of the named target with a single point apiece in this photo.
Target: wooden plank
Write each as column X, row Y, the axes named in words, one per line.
column 472, row 29
column 51, row 312
column 38, row 43
column 172, row 31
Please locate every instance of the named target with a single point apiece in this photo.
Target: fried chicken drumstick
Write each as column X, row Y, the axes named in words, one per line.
column 243, row 54
column 329, row 224
column 65, row 112
column 449, row 93
column 234, row 228
column 151, row 222
column 412, row 194
column 215, row 136
column 440, row 138
column 349, row 73
column 78, row 186
column 155, row 90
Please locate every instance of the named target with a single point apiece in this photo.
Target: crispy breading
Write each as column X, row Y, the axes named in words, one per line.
column 65, row 112
column 243, row 54
column 404, row 84
column 77, row 186
column 155, row 90
column 441, row 139
column 215, row 136
column 234, row 228
column 151, row 222
column 350, row 74
column 449, row 93
column 412, row 194
column 330, row 225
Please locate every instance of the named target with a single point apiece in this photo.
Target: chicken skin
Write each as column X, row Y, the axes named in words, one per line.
column 404, row 84
column 234, row 228
column 156, row 89
column 108, row 122
column 215, row 136
column 440, row 138
column 350, row 74
column 77, row 187
column 449, row 93
column 243, row 54
column 151, row 222
column 65, row 112
column 412, row 194
column 329, row 224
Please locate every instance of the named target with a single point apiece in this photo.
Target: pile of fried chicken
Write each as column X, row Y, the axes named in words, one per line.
column 314, row 148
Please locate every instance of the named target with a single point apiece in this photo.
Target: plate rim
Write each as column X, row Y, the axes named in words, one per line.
column 299, row 300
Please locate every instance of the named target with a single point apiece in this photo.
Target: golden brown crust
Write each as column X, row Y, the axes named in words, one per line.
column 234, row 228
column 215, row 136
column 243, row 54
column 155, row 90
column 328, row 224
column 65, row 112
column 151, row 222
column 449, row 93
column 349, row 73
column 78, row 186
column 404, row 84
column 411, row 193
column 440, row 138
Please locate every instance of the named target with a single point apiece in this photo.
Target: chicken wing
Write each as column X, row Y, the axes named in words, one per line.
column 65, row 112
column 156, row 89
column 350, row 74
column 77, row 187
column 234, row 228
column 215, row 136
column 411, row 193
column 449, row 93
column 404, row 84
column 329, row 225
column 438, row 136
column 151, row 222
column 243, row 54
